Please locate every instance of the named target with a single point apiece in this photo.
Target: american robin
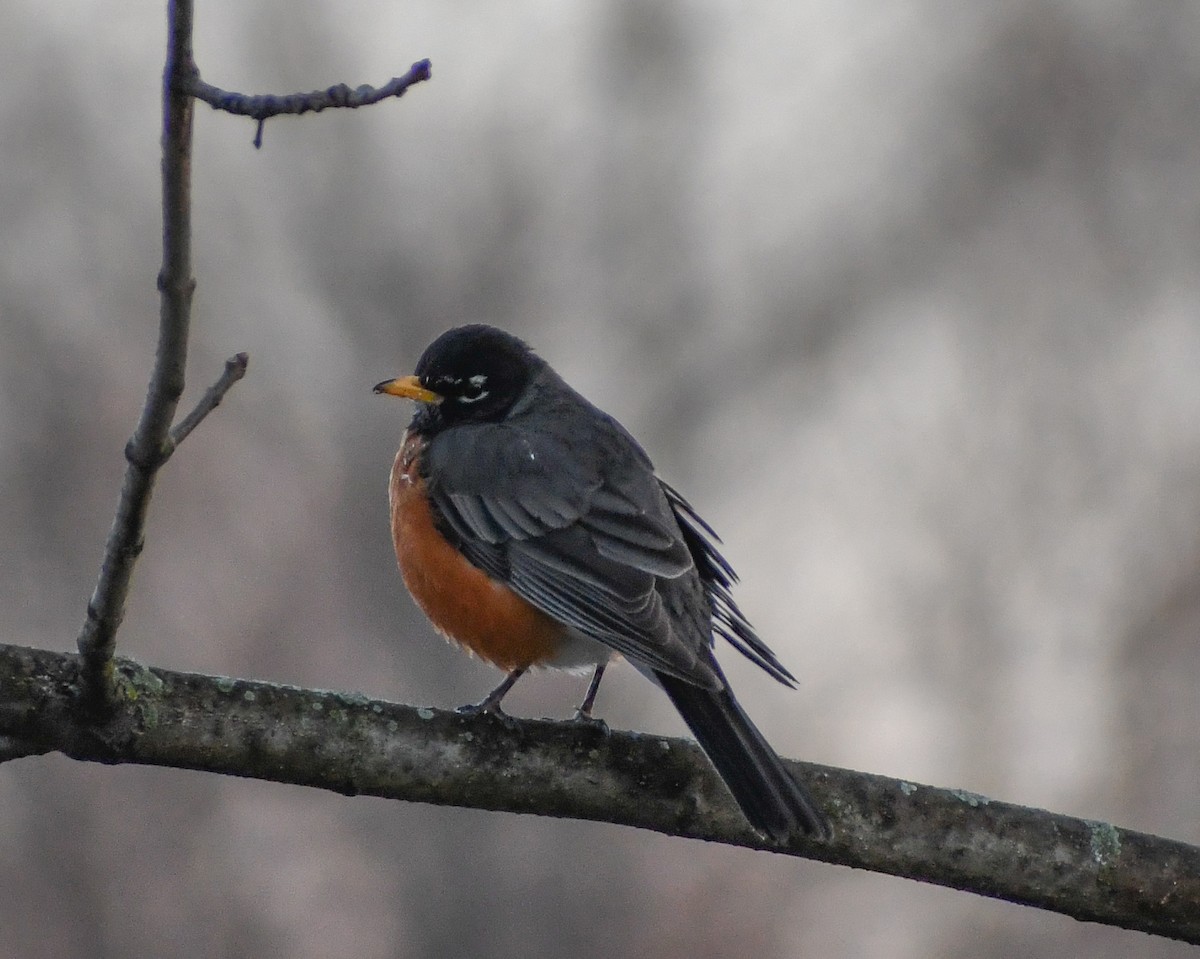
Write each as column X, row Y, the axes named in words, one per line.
column 531, row 529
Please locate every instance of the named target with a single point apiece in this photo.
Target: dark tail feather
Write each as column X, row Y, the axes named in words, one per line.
column 774, row 803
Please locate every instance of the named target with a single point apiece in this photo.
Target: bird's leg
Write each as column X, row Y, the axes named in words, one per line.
column 491, row 702
column 584, row 713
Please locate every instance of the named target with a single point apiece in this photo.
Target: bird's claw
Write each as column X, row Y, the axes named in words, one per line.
column 589, row 721
column 485, row 708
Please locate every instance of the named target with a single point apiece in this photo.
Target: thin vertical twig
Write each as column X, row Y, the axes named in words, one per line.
column 148, row 448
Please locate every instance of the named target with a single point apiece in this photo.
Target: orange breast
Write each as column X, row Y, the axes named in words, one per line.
column 463, row 603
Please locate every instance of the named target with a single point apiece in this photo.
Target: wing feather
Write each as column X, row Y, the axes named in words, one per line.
column 571, row 516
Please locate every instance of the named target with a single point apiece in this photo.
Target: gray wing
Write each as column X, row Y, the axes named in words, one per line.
column 572, row 518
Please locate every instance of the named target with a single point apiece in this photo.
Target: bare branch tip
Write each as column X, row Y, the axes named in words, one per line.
column 264, row 106
column 235, row 369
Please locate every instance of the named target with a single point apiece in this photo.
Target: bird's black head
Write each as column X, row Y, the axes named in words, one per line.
column 470, row 374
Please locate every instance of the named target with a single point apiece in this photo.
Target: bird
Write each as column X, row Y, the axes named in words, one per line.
column 531, row 529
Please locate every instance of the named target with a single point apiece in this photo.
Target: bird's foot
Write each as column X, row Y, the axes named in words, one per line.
column 483, row 706
column 491, row 702
column 587, row 720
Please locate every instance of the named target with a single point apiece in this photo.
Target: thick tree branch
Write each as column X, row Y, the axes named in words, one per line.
column 349, row 744
column 147, row 449
column 264, row 106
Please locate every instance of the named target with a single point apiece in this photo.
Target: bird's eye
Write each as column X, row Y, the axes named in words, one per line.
column 472, row 390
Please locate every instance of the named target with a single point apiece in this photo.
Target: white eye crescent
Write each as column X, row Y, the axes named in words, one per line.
column 477, row 382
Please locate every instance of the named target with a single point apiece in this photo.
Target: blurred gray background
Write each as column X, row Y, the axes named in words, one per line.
column 904, row 296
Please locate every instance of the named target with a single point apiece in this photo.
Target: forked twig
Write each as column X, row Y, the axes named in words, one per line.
column 154, row 439
column 148, row 448
column 235, row 369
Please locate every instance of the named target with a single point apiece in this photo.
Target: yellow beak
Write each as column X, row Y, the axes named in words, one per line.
column 408, row 387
